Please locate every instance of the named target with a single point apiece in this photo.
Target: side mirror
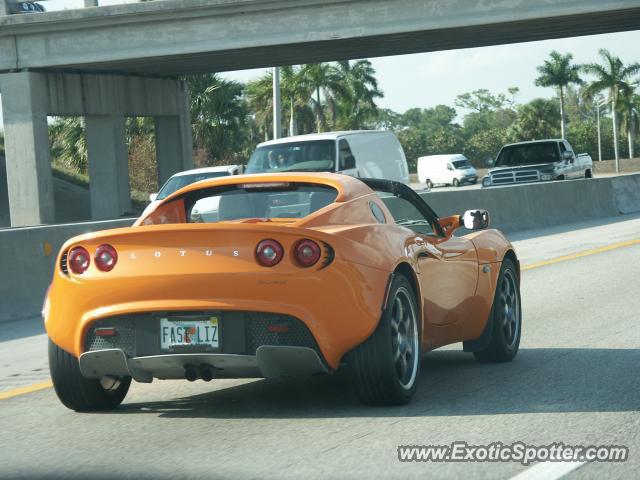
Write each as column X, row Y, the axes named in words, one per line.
column 348, row 162
column 475, row 219
column 152, row 197
column 567, row 155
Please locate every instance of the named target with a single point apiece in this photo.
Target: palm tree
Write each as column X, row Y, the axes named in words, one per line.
column 219, row 116
column 559, row 72
column 68, row 143
column 630, row 118
column 260, row 97
column 358, row 107
column 323, row 80
column 295, row 93
column 613, row 76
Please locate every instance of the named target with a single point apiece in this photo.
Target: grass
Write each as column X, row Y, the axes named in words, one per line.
column 139, row 200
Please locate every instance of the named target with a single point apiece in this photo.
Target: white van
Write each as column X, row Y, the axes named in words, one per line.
column 446, row 170
column 362, row 153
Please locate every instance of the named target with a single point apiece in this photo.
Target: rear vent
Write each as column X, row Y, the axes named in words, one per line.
column 63, row 262
column 328, row 256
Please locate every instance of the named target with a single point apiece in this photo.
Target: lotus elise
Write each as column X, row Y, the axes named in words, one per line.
column 279, row 275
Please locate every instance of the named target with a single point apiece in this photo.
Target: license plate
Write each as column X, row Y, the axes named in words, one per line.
column 187, row 332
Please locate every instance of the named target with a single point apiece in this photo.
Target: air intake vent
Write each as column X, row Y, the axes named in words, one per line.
column 328, row 256
column 63, row 263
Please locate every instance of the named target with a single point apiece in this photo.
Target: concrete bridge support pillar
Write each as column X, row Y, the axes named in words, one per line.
column 105, row 101
column 29, row 179
column 174, row 143
column 108, row 166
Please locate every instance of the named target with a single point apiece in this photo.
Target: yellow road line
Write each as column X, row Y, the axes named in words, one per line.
column 26, row 389
column 585, row 253
column 47, row 384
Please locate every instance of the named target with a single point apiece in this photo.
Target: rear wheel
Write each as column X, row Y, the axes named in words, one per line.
column 79, row 393
column 429, row 183
column 588, row 174
column 387, row 364
column 506, row 316
column 456, row 182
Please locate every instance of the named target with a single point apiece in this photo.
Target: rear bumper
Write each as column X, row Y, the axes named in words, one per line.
column 269, row 361
column 339, row 305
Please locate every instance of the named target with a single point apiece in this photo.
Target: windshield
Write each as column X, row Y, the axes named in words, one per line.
column 461, row 164
column 311, row 156
column 528, row 154
column 176, row 183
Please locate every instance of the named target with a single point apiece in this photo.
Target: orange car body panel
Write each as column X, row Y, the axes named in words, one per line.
column 176, row 266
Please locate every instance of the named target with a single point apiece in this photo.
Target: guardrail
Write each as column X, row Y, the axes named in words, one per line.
column 27, row 255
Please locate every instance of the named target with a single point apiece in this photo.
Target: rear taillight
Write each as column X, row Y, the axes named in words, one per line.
column 306, row 253
column 78, row 260
column 269, row 253
column 106, row 258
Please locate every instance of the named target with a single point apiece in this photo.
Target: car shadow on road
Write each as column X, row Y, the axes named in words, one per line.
column 452, row 383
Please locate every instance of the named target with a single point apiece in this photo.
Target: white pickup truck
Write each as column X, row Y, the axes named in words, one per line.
column 536, row 161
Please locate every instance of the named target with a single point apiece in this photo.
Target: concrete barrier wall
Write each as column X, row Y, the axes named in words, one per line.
column 527, row 207
column 27, row 257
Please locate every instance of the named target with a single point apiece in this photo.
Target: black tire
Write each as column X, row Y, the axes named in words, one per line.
column 79, row 393
column 386, row 367
column 474, row 181
column 506, row 318
column 429, row 183
column 588, row 174
column 456, row 182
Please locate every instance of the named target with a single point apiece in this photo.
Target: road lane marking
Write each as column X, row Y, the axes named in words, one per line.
column 584, row 253
column 548, row 471
column 26, row 389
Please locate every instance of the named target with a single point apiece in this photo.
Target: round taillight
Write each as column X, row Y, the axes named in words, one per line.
column 307, row 252
column 269, row 253
column 106, row 258
column 78, row 260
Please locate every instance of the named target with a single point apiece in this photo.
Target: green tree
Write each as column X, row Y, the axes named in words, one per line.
column 68, row 143
column 483, row 100
column 324, row 81
column 357, row 109
column 558, row 72
column 584, row 138
column 219, row 118
column 260, row 97
column 536, row 120
column 295, row 94
column 483, row 147
column 415, row 143
column 612, row 75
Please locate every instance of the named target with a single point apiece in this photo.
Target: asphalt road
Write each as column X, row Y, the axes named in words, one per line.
column 574, row 381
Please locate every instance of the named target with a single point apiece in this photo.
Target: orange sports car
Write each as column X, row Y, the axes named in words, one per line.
column 278, row 275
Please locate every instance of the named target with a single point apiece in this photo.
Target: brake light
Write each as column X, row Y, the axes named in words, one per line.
column 78, row 260
column 307, row 253
column 269, row 253
column 105, row 257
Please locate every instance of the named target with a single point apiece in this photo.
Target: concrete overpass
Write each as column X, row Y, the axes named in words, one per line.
column 172, row 37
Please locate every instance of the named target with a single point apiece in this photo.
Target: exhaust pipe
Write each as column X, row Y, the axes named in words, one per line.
column 190, row 373
column 206, row 373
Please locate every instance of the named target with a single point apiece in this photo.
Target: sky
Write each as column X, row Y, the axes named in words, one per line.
column 428, row 79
